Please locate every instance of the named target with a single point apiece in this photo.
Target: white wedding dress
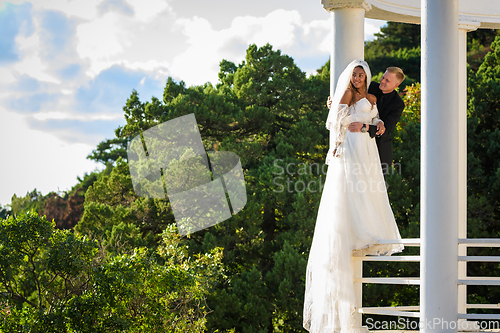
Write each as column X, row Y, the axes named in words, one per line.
column 354, row 214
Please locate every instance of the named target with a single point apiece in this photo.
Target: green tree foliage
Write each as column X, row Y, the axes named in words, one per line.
column 395, row 36
column 65, row 208
column 397, row 44
column 40, row 270
column 478, row 45
column 4, row 212
column 31, row 201
column 268, row 112
column 108, row 151
column 404, row 180
column 483, row 132
column 484, row 166
column 120, row 219
column 56, row 281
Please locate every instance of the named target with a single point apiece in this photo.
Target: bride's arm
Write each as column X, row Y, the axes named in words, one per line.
column 337, row 134
column 347, row 97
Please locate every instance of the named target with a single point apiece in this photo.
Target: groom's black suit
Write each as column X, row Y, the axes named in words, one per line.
column 390, row 107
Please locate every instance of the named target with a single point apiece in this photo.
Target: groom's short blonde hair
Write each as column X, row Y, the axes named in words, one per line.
column 398, row 72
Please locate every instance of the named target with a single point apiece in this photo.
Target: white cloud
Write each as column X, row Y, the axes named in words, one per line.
column 372, row 27
column 31, row 64
column 284, row 30
column 159, row 70
column 207, row 47
column 89, row 9
column 142, row 41
column 320, row 33
column 145, row 10
column 101, row 39
column 6, row 76
column 60, row 115
column 197, row 64
column 85, row 9
column 34, row 159
column 276, row 28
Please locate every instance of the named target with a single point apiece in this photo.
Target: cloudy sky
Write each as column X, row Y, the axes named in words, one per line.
column 68, row 66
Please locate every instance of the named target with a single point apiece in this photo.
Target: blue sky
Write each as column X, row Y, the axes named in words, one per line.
column 68, row 66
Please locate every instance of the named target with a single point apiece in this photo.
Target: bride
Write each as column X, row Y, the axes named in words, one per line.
column 354, row 212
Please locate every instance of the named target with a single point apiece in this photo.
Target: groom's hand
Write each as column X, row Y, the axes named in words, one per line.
column 380, row 128
column 329, row 102
column 355, row 127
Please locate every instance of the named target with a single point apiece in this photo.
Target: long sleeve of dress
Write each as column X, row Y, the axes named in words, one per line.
column 336, row 126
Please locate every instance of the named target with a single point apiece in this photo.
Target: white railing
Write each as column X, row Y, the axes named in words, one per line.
column 463, row 280
column 403, row 311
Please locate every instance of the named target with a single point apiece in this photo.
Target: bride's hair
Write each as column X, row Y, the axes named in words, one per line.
column 354, row 89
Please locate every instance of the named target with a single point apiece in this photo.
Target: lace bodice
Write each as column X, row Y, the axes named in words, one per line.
column 361, row 111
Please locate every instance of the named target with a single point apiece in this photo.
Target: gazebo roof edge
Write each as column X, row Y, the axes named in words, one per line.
column 484, row 14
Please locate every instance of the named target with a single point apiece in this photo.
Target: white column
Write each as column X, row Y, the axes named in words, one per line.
column 439, row 166
column 348, row 32
column 348, row 44
column 464, row 27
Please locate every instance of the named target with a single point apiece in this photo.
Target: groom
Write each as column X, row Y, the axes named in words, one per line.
column 390, row 107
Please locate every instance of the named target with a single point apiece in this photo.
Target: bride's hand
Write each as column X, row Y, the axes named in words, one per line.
column 329, row 102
